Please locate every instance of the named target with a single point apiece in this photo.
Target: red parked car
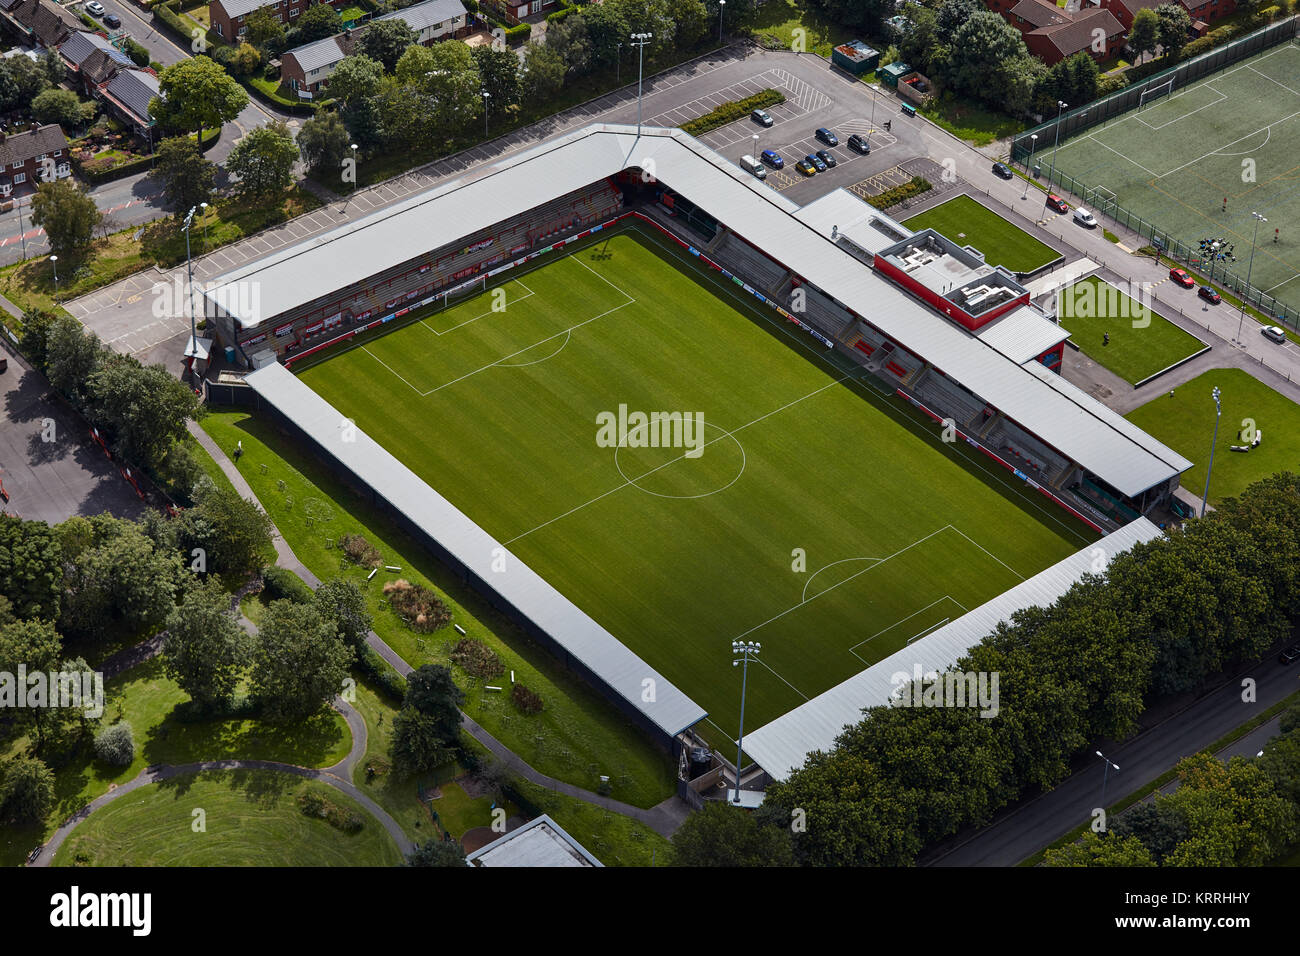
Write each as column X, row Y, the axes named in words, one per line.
column 1182, row 278
column 1056, row 202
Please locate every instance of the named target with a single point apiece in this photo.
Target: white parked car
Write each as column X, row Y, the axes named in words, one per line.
column 1273, row 332
column 95, row 8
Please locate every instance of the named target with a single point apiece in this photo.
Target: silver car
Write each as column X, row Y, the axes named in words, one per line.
column 1273, row 332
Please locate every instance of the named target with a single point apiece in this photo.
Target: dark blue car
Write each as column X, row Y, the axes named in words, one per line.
column 773, row 159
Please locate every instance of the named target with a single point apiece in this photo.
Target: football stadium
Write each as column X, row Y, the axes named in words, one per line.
column 648, row 407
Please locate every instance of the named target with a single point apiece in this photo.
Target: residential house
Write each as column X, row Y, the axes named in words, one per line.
column 1055, row 33
column 229, row 17
column 31, row 157
column 1203, row 12
column 307, row 69
column 513, row 11
column 38, row 22
column 90, row 58
column 128, row 95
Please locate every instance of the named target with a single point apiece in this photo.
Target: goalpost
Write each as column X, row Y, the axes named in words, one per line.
column 1155, row 92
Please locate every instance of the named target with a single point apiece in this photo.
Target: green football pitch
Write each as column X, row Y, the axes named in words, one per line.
column 968, row 223
column 1141, row 342
column 822, row 518
column 1235, row 136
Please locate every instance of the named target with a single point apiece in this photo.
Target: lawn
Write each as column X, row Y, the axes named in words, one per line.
column 967, row 222
column 677, row 555
column 577, row 738
column 612, row 838
column 776, row 21
column 252, row 818
column 1185, row 422
column 1141, row 342
column 970, row 122
column 145, row 698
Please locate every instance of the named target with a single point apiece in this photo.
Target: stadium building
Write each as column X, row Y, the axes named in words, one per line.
column 929, row 319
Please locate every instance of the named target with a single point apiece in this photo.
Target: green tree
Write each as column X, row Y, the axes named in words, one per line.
column 416, row 745
column 439, row 89
column 231, row 533
column 36, row 646
column 245, row 60
column 21, row 81
column 1094, row 850
column 1175, row 25
column 72, row 356
column 324, row 142
column 186, row 176
column 431, row 690
column 543, row 75
column 26, row 788
column 723, row 835
column 263, row 160
column 206, row 649
column 317, row 22
column 197, row 94
column 437, row 853
column 1159, row 827
column 356, row 78
column 498, row 70
column 69, row 217
column 300, row 661
column 58, row 106
column 385, row 41
column 1144, row 35
column 31, row 569
column 265, row 31
column 342, row 601
column 143, row 407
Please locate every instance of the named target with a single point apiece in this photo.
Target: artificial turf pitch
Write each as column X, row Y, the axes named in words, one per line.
column 822, row 519
column 968, row 223
column 1141, row 342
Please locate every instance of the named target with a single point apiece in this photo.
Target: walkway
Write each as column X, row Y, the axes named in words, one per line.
column 664, row 818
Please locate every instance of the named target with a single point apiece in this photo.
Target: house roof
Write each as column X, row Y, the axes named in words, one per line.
column 48, row 22
column 539, row 842
column 323, row 53
column 427, row 14
column 1040, row 13
column 77, row 48
column 20, row 147
column 240, row 8
column 135, row 90
column 1078, row 33
column 100, row 67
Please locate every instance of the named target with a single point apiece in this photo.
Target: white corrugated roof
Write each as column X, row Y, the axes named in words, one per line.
column 782, row 745
column 518, row 585
column 1023, row 334
column 318, row 53
column 539, row 842
column 845, row 214
column 1074, row 423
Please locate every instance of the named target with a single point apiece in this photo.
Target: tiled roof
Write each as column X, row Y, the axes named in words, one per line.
column 21, row 147
column 1078, row 34
column 100, row 67
column 77, row 48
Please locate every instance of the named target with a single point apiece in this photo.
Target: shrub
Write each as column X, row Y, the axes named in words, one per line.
column 529, row 701
column 416, row 605
column 315, row 805
column 560, row 15
column 359, row 550
column 518, row 35
column 891, row 197
column 115, row 745
column 387, row 681
column 476, row 658
column 731, row 111
column 138, row 54
column 282, row 583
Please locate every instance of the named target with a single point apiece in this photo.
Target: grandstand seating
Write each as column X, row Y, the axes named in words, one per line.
column 747, row 262
column 949, row 399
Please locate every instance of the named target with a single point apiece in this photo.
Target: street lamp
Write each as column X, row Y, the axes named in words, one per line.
column 742, row 651
column 1060, row 106
column 755, row 152
column 1033, row 144
column 1258, row 219
column 204, row 215
column 639, row 40
column 721, row 6
column 486, row 96
column 1218, row 410
column 55, row 261
column 355, row 174
column 189, row 291
column 1106, row 773
column 618, row 63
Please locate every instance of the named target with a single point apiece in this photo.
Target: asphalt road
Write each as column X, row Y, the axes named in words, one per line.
column 1031, row 825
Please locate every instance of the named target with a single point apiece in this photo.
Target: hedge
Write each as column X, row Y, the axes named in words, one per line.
column 560, row 15
column 282, row 583
column 731, row 111
column 138, row 54
column 518, row 35
column 99, row 177
column 891, row 197
column 379, row 672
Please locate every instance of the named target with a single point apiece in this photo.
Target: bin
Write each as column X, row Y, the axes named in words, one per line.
column 909, row 109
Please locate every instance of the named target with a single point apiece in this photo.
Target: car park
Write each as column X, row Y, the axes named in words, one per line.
column 1274, row 333
column 1002, row 170
column 1290, row 655
column 773, row 159
column 1182, row 278
column 827, row 137
column 859, row 143
column 95, row 9
column 761, row 117
column 112, row 20
column 1085, row 218
column 805, row 167
column 816, row 162
column 826, row 157
column 1056, row 202
column 1209, row 294
column 751, row 165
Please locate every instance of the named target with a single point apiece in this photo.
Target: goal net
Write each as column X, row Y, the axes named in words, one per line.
column 1155, row 92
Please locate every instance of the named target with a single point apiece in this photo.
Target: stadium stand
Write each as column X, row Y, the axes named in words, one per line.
column 747, row 262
